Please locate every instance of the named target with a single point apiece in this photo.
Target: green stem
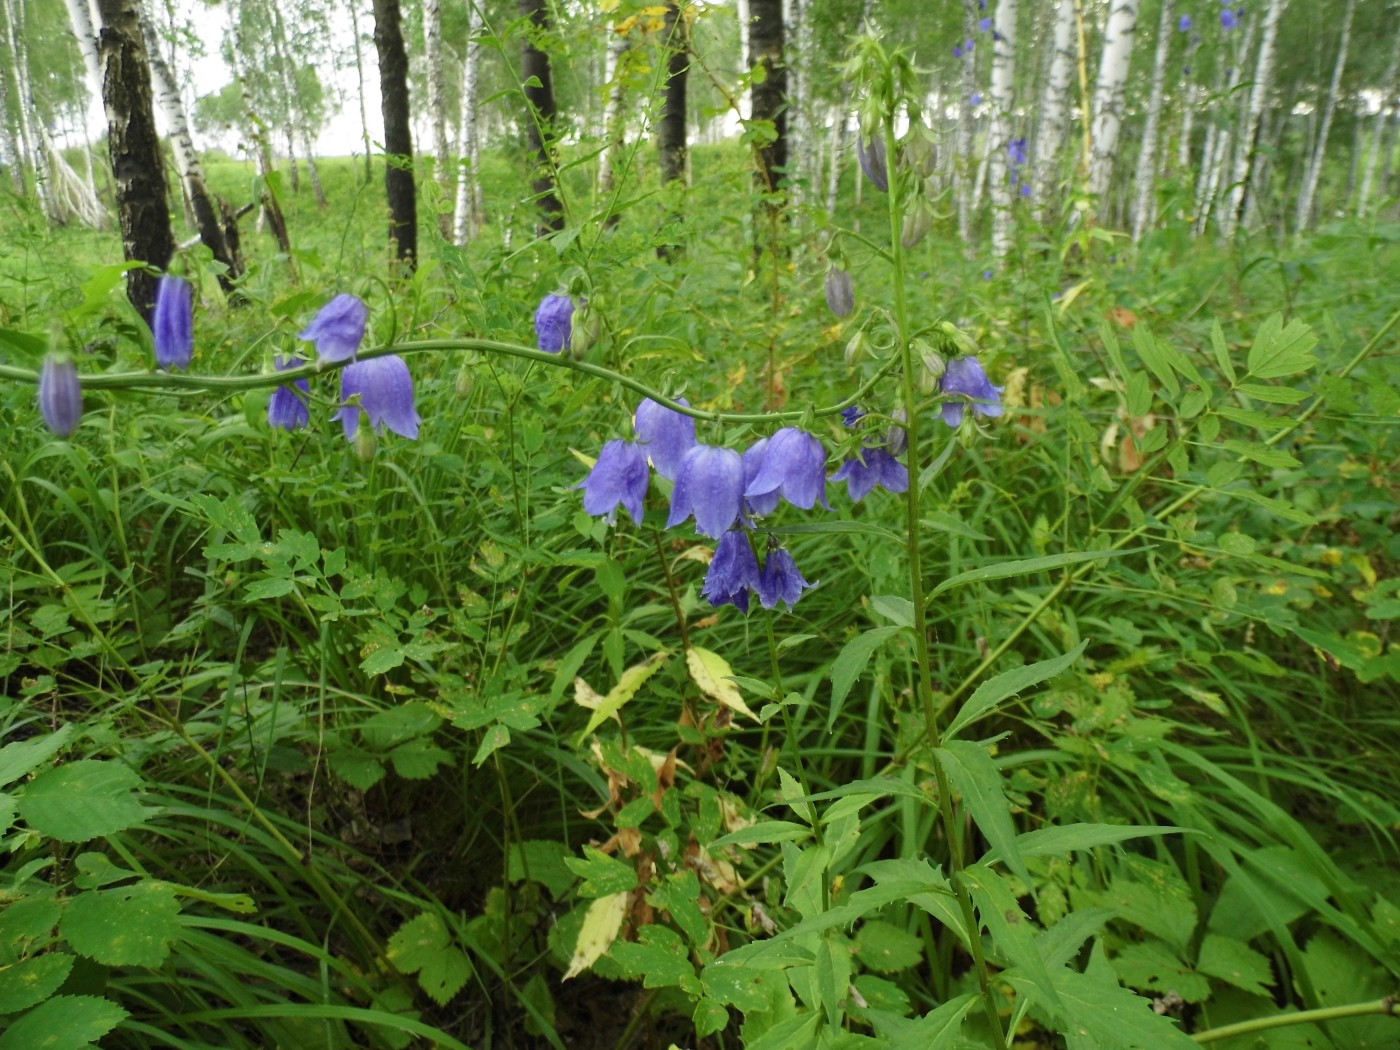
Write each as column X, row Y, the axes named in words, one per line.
column 1386, row 1006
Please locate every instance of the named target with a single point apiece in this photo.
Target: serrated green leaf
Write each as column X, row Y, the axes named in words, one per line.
column 1060, row 840
column 1012, row 931
column 1111, row 1015
column 887, row 948
column 1150, row 966
column 939, row 1029
column 24, row 756
column 83, row 800
column 1276, row 395
column 658, row 956
column 356, row 766
column 850, row 663
column 31, row 981
column 975, row 776
column 1156, row 357
column 1235, row 963
column 602, row 875
column 65, row 1022
column 993, row 691
column 424, row 946
column 126, row 926
column 765, row 831
column 1280, row 351
column 419, row 759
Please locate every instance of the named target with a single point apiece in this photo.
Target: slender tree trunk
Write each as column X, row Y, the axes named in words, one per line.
column 539, row 125
column 1240, row 183
column 1108, row 95
column 467, row 210
column 15, row 152
column 437, row 101
column 34, row 155
column 802, row 134
column 963, row 185
column 364, row 90
column 1309, row 192
column 614, row 114
column 294, row 130
column 137, row 166
column 1373, row 155
column 1054, row 105
column 399, row 186
column 1003, row 101
column 256, row 129
column 672, row 129
column 1145, row 206
column 769, row 98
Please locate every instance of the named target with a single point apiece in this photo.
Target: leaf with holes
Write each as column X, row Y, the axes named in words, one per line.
column 126, row 926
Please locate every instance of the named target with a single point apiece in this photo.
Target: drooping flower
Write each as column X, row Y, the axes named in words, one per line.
column 618, row 479
column 957, row 51
column 780, row 580
column 1183, row 24
column 60, row 394
column 965, row 376
column 1229, row 19
column 554, row 323
column 753, row 462
column 871, row 155
column 984, row 24
column 873, row 466
column 384, row 388
column 709, row 485
column 666, row 434
column 840, row 291
column 852, row 414
column 733, row 571
column 793, row 465
column 339, row 328
column 287, row 407
column 977, row 98
column 172, row 323
column 1016, row 150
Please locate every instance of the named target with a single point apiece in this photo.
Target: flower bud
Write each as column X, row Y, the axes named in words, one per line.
column 366, row 444
column 934, row 365
column 871, row 155
column 919, row 153
column 897, row 438
column 466, row 380
column 962, row 342
column 584, row 328
column 840, row 292
column 918, row 220
column 856, row 348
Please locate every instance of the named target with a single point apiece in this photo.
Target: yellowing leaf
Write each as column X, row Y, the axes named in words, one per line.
column 709, row 671
column 626, row 688
column 600, row 928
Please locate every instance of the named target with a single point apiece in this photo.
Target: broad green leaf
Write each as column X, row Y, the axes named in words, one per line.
column 887, row 948
column 83, row 800
column 658, row 956
column 1250, row 418
column 831, row 973
column 975, row 776
column 679, row 895
column 1012, row 931
column 601, row 925
column 1264, row 455
column 892, row 607
column 940, row 1029
column 271, row 587
column 711, row 673
column 1025, row 567
column 1060, row 840
column 126, row 926
column 31, row 981
column 24, row 756
column 541, row 861
column 1151, row 966
column 1277, row 395
column 1138, row 391
column 495, row 738
column 1235, row 963
column 1280, row 351
column 424, row 946
column 850, row 663
column 608, row 706
column 419, row 759
column 993, row 691
column 602, row 875
column 65, row 1022
column 709, row 1017
column 764, row 831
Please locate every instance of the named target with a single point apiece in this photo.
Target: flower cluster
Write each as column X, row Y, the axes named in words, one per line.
column 1018, row 155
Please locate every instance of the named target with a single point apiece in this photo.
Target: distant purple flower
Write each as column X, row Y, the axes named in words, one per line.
column 984, row 24
column 733, row 571
column 780, row 580
column 1183, row 24
column 872, row 161
column 554, row 323
column 966, row 376
column 957, row 51
column 287, row 408
column 709, row 485
column 987, row 275
column 840, row 292
column 1229, row 19
column 384, row 387
column 968, row 45
column 873, row 466
column 172, row 322
column 1016, row 150
column 618, row 479
column 60, row 394
column 1025, row 189
column 977, row 98
column 665, row 435
column 794, row 467
column 852, row 414
column 339, row 328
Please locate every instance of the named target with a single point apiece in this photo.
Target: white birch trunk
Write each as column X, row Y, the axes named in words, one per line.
column 363, row 92
column 1108, row 95
column 840, row 135
column 1145, row 206
column 170, row 104
column 802, row 132
column 1258, row 97
column 14, row 149
column 468, row 207
column 1053, row 109
column 437, row 88
column 1373, row 155
column 33, row 154
column 1309, row 192
column 1216, row 164
column 85, row 32
column 615, row 117
column 962, row 169
column 1003, row 98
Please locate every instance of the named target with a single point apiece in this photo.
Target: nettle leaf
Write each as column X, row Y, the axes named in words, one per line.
column 601, row 925
column 1151, row 966
column 31, row 981
column 127, row 926
column 659, row 957
column 1280, row 351
column 887, row 948
column 65, row 1022
column 83, row 800
column 358, row 767
column 419, row 759
column 602, row 875
column 424, row 946
column 1235, row 963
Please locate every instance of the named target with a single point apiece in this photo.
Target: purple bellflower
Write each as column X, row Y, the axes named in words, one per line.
column 618, row 479
column 780, row 580
column 287, row 406
column 384, row 387
column 1229, row 19
column 60, row 394
column 1016, row 150
column 957, row 51
column 872, row 161
column 709, row 485
column 733, row 571
column 984, row 24
column 1183, row 24
column 840, row 292
column 172, row 322
column 666, row 434
column 873, row 466
column 792, row 465
column 339, row 328
column 852, row 414
column 554, row 323
column 753, row 461
column 966, row 376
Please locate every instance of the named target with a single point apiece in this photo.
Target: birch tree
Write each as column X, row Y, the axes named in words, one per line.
column 1145, row 180
column 1054, row 107
column 1108, row 95
column 1373, row 155
column 31, row 151
column 467, row 211
column 962, row 171
column 1308, row 193
column 614, row 114
column 1003, row 99
column 437, row 91
column 1244, row 149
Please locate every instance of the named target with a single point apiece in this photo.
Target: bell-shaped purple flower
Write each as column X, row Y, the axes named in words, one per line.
column 60, row 394
column 385, row 391
column 618, row 479
column 793, row 465
column 874, row 466
column 1184, row 24
column 172, row 323
column 554, row 323
column 733, row 571
column 1016, row 151
column 339, row 328
column 964, row 375
column 667, row 435
column 852, row 414
column 753, row 462
column 287, row 407
column 840, row 292
column 1229, row 19
column 871, row 155
column 709, row 485
column 780, row 580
